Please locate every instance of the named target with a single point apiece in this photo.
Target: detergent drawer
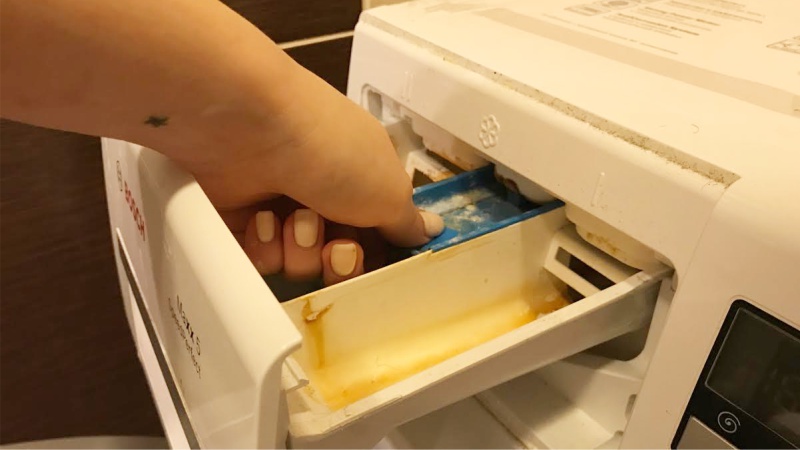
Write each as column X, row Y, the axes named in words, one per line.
column 417, row 335
column 343, row 366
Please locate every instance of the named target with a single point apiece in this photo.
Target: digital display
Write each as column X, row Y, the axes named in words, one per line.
column 758, row 370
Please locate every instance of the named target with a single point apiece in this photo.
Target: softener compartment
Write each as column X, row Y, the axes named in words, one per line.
column 519, row 291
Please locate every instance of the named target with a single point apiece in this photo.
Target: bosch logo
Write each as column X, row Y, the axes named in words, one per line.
column 138, row 217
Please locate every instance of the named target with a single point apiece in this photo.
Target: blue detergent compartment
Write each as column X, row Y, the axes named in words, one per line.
column 472, row 204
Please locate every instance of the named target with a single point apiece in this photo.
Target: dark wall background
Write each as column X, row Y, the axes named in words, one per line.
column 67, row 362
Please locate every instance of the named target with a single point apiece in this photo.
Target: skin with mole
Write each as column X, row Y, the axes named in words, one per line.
column 278, row 120
column 157, row 121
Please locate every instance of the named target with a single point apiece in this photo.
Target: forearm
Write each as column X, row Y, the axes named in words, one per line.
column 181, row 76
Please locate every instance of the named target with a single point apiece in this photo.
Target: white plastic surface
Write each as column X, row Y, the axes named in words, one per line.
column 464, row 425
column 561, row 154
column 225, row 336
column 646, row 146
column 541, row 417
column 583, row 401
column 580, row 125
column 750, row 251
column 170, row 421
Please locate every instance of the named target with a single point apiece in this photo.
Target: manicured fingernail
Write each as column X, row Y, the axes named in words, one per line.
column 265, row 226
column 306, row 227
column 343, row 259
column 434, row 225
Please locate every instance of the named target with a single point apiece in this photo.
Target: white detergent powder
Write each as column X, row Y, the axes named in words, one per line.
column 469, row 213
column 458, row 201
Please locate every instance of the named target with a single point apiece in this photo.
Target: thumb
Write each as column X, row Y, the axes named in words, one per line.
column 376, row 196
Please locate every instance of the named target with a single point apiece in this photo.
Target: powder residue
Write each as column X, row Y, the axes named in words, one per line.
column 457, row 201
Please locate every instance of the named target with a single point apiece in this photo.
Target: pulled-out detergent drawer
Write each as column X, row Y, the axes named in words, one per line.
column 344, row 365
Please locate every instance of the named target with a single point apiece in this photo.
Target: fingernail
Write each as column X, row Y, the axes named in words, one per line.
column 343, row 259
column 265, row 226
column 306, row 227
column 434, row 225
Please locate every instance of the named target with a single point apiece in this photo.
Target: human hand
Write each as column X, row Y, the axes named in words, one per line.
column 202, row 85
column 304, row 204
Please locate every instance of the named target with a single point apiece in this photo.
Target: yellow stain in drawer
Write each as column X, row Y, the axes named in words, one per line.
column 380, row 365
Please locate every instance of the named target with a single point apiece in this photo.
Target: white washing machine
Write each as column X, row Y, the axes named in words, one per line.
column 668, row 134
